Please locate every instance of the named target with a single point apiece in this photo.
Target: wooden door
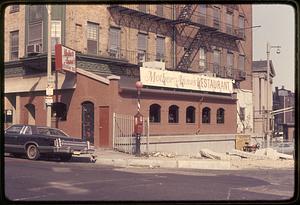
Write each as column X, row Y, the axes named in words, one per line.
column 104, row 126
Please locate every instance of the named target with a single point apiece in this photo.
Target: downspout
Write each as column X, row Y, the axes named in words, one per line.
column 174, row 38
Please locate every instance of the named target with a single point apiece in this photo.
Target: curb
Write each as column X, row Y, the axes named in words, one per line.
column 198, row 164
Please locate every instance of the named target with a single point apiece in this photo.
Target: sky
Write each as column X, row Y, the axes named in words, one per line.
column 277, row 23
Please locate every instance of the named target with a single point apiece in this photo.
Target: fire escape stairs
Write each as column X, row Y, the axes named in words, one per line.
column 193, row 47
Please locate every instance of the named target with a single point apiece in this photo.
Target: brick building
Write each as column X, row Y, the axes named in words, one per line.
column 284, row 122
column 112, row 42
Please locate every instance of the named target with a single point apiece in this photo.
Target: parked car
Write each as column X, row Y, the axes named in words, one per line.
column 285, row 148
column 34, row 141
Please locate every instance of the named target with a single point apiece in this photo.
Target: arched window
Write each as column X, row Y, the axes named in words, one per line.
column 173, row 114
column 190, row 114
column 206, row 115
column 154, row 113
column 220, row 115
column 59, row 110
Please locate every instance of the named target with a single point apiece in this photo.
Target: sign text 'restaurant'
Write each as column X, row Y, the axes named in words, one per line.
column 174, row 79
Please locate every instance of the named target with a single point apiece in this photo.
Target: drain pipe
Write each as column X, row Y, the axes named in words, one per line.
column 174, row 37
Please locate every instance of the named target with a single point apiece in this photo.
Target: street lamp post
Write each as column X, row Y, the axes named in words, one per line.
column 49, row 88
column 269, row 47
column 138, row 120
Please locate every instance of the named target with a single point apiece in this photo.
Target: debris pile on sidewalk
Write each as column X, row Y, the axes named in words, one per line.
column 260, row 154
column 161, row 154
column 213, row 155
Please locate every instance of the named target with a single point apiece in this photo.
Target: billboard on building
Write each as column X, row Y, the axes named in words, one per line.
column 174, row 79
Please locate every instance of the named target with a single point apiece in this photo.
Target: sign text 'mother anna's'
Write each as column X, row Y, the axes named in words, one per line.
column 174, row 79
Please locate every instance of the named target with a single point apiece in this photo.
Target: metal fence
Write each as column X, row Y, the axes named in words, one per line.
column 123, row 134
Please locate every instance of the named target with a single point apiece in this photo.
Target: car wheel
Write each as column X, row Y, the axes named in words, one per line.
column 32, row 152
column 65, row 157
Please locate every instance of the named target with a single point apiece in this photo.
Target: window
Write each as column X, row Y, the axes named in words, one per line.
column 202, row 58
column 14, row 45
column 241, row 27
column 92, row 38
column 59, row 110
column 160, row 48
column 28, row 131
column 57, row 132
column 35, row 35
column 142, row 47
column 190, row 114
column 230, row 60
column 220, row 115
column 229, row 64
column 36, row 13
column 8, row 116
column 217, row 16
column 14, row 129
column 173, row 114
column 229, row 22
column 160, row 10
column 14, row 8
column 206, row 115
column 242, row 113
column 114, row 42
column 55, row 34
column 217, row 61
column 154, row 113
column 242, row 62
column 202, row 14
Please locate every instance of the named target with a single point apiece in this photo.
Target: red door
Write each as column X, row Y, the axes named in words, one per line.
column 104, row 126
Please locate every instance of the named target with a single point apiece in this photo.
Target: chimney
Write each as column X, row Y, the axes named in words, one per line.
column 282, row 87
column 276, row 90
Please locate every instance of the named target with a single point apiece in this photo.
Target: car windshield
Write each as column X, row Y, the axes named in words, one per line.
column 50, row 131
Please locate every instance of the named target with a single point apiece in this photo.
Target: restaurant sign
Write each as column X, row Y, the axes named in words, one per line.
column 65, row 58
column 179, row 80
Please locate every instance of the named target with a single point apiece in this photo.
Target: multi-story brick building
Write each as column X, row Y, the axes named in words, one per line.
column 111, row 42
column 284, row 122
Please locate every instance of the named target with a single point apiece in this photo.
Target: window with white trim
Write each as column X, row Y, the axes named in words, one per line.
column 14, row 45
column 114, row 42
column 242, row 62
column 55, row 33
column 160, row 48
column 92, row 38
column 202, row 58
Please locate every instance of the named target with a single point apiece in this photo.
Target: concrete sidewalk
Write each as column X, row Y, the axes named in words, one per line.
column 115, row 158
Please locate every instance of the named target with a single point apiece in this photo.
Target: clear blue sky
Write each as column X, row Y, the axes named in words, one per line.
column 278, row 28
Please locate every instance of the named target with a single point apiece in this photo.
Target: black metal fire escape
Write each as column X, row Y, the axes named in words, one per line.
column 192, row 48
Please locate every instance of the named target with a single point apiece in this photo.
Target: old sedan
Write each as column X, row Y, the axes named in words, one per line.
column 37, row 140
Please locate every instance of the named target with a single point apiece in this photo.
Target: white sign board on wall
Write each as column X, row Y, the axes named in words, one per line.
column 175, row 79
column 65, row 58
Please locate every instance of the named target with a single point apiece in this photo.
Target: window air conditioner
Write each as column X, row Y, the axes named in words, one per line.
column 141, row 57
column 34, row 49
column 113, row 53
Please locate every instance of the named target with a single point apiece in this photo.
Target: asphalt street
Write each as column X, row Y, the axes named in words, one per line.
column 52, row 180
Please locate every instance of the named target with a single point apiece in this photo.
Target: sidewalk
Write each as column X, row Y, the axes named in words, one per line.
column 115, row 158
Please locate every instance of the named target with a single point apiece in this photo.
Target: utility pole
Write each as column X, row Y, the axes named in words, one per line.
column 268, row 82
column 49, row 88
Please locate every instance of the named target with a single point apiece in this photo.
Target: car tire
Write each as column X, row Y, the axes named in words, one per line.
column 65, row 157
column 32, row 152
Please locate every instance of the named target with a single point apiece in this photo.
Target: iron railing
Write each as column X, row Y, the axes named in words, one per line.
column 123, row 134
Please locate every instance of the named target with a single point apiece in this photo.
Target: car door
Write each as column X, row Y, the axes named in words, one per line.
column 12, row 135
column 24, row 137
